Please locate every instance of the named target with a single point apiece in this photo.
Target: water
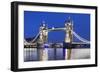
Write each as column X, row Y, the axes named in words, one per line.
column 33, row 54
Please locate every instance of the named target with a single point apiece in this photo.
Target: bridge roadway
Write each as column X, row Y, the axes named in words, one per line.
column 56, row 29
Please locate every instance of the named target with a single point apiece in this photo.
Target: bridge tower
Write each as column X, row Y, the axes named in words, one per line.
column 43, row 54
column 68, row 37
column 43, row 33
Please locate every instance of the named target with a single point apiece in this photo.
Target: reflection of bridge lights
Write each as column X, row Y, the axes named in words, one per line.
column 46, row 45
column 78, row 45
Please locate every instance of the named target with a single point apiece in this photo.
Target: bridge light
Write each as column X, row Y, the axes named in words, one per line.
column 53, row 28
column 43, row 23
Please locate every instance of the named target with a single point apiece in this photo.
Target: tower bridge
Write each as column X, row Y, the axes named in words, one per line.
column 42, row 37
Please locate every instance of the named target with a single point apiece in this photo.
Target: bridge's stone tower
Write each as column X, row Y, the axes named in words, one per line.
column 43, row 34
column 43, row 55
column 68, row 37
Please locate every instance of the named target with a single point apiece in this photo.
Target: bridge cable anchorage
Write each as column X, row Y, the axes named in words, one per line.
column 80, row 38
column 35, row 37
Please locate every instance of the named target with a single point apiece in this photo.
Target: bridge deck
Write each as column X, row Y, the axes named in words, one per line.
column 56, row 29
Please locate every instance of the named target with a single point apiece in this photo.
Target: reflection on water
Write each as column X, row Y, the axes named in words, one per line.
column 33, row 54
column 30, row 54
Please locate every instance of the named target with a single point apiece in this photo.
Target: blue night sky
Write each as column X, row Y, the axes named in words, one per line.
column 33, row 20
